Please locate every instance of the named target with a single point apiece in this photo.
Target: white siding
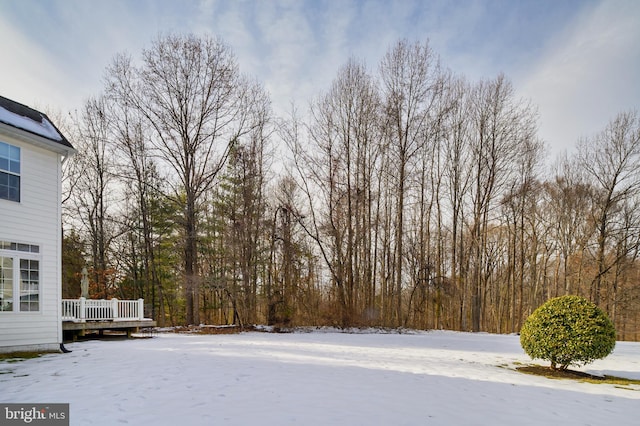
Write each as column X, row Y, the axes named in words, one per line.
column 35, row 220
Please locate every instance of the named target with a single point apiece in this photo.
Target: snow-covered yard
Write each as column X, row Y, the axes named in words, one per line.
column 319, row 378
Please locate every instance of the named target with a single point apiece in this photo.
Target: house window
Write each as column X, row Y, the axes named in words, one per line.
column 19, row 277
column 6, row 284
column 9, row 172
column 29, row 285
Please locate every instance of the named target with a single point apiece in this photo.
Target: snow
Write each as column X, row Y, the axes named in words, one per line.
column 43, row 128
column 318, row 378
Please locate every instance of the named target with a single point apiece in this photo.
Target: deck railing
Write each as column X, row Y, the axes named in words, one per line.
column 80, row 310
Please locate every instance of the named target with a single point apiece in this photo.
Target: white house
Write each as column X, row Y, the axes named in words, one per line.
column 32, row 151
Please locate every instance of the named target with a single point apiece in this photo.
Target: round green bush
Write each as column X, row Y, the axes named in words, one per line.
column 568, row 330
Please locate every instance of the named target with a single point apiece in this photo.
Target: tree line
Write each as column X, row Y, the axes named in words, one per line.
column 407, row 196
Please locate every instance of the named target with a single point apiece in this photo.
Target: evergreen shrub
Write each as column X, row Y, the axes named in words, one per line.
column 568, row 330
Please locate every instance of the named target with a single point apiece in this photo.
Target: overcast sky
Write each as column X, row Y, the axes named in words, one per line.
column 578, row 61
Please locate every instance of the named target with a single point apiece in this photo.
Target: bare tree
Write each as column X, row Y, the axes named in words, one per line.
column 241, row 202
column 457, row 166
column 418, row 199
column 411, row 84
column 341, row 169
column 285, row 275
column 198, row 105
column 94, row 167
column 610, row 160
column 520, row 214
column 501, row 126
column 566, row 208
column 139, row 173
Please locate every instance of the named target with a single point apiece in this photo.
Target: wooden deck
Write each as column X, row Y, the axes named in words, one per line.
column 80, row 316
column 74, row 329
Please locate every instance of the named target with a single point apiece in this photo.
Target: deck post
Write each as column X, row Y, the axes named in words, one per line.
column 140, row 309
column 114, row 308
column 83, row 309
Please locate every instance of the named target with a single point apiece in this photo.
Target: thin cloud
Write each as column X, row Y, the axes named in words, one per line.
column 576, row 60
column 588, row 75
column 57, row 55
column 25, row 77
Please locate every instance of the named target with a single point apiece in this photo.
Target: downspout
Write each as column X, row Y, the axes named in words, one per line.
column 64, row 157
